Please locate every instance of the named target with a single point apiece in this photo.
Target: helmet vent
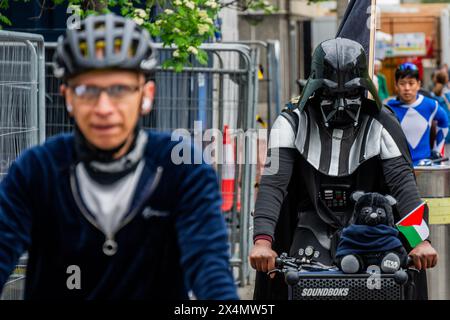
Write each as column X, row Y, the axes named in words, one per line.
column 133, row 47
column 100, row 25
column 103, row 42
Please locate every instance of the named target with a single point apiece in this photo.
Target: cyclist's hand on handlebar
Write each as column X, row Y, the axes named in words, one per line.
column 424, row 256
column 262, row 257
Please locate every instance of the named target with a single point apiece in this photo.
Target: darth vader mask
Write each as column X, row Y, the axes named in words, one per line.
column 340, row 109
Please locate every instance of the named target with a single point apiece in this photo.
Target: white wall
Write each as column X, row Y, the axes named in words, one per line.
column 230, row 32
column 323, row 28
column 229, row 24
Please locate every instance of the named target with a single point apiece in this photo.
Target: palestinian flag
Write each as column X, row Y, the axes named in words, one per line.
column 414, row 227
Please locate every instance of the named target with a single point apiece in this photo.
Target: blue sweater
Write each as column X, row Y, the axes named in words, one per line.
column 175, row 239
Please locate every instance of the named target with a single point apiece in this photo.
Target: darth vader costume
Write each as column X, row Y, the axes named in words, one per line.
column 326, row 144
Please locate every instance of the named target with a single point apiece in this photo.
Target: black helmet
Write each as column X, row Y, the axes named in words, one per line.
column 123, row 44
column 338, row 65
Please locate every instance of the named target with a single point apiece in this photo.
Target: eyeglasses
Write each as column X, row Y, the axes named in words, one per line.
column 407, row 66
column 91, row 93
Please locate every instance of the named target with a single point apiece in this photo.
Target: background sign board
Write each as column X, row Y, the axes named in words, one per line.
column 409, row 44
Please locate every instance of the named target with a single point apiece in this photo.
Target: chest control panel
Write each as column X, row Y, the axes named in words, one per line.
column 336, row 197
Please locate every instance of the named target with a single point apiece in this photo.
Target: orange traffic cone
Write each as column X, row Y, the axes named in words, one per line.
column 228, row 172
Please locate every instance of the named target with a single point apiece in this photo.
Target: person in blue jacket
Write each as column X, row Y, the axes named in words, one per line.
column 416, row 114
column 104, row 213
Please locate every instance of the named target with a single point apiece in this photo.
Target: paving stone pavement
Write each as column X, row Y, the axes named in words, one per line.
column 246, row 293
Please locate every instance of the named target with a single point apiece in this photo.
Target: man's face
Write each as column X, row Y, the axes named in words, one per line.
column 108, row 119
column 407, row 89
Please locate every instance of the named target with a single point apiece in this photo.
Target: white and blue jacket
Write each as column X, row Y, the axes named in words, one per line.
column 416, row 120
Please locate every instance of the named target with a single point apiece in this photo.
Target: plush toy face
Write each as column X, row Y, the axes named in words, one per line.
column 372, row 209
column 372, row 216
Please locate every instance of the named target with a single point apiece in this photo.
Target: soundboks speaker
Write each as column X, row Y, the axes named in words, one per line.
column 339, row 286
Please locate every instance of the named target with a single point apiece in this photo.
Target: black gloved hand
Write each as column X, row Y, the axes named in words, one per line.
column 435, row 155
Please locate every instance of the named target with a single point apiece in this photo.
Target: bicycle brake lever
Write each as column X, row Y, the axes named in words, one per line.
column 273, row 271
column 413, row 269
column 410, row 265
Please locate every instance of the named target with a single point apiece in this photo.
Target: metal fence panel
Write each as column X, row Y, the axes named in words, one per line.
column 223, row 93
column 21, row 114
column 269, row 78
column 21, row 95
column 14, row 288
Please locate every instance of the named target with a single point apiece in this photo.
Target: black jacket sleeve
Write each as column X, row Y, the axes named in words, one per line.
column 15, row 213
column 400, row 180
column 399, row 177
column 273, row 190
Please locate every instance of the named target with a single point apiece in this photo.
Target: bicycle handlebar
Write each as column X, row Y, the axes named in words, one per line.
column 290, row 266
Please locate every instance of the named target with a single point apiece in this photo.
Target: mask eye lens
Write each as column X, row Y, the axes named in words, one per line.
column 352, row 93
column 326, row 103
column 328, row 94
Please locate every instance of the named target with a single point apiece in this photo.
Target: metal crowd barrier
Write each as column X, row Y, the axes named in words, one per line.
column 224, row 93
column 22, row 110
column 14, row 288
column 269, row 76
